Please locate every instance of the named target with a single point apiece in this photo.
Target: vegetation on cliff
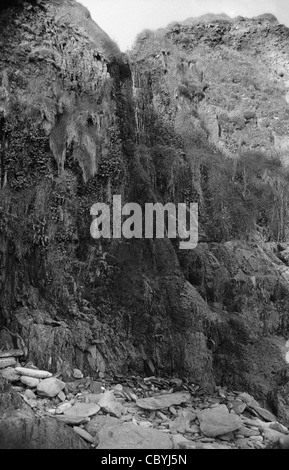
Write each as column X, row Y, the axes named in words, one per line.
column 197, row 113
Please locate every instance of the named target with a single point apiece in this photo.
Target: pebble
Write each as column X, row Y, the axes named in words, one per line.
column 257, row 438
column 63, row 407
column 61, row 395
column 77, row 374
column 84, row 434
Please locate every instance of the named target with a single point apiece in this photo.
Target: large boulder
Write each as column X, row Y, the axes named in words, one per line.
column 218, row 421
column 20, row 429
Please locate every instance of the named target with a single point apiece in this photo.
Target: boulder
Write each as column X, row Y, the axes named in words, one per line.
column 50, row 387
column 218, row 421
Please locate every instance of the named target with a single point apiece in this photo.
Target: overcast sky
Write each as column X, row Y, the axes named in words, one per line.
column 122, row 20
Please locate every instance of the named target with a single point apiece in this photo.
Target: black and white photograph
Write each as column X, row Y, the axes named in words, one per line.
column 144, row 228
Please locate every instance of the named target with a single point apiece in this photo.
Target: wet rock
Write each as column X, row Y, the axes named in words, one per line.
column 161, row 402
column 82, row 409
column 131, row 436
column 50, row 387
column 217, row 421
column 110, row 405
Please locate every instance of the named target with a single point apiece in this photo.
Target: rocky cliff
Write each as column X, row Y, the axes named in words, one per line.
column 196, row 113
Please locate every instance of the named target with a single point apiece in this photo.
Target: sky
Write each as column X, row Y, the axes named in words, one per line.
column 122, row 20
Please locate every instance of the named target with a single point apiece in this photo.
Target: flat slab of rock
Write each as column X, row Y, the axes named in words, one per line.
column 37, row 374
column 50, row 387
column 30, row 382
column 72, row 420
column 218, row 421
column 9, row 374
column 11, row 353
column 161, row 402
column 265, row 414
column 110, row 405
column 82, row 409
column 131, row 436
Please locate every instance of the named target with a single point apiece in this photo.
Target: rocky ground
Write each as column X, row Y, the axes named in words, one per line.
column 41, row 410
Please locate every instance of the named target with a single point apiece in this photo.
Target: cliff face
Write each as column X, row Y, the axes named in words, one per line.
column 197, row 113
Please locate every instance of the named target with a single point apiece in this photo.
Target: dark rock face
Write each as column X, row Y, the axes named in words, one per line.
column 79, row 123
column 67, row 108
